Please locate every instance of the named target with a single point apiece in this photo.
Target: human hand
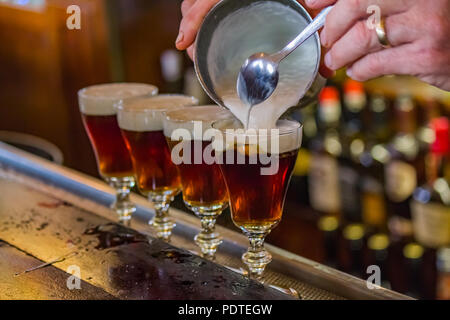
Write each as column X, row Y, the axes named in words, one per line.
column 193, row 12
column 418, row 31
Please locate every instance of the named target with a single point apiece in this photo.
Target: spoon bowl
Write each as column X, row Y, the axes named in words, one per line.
column 257, row 79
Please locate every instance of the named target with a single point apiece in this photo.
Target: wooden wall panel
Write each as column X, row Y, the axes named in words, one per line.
column 147, row 28
column 43, row 64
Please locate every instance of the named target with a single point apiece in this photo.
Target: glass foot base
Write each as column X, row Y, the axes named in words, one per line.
column 208, row 240
column 124, row 210
column 208, row 243
column 122, row 204
column 162, row 223
column 163, row 228
column 256, row 261
column 257, row 257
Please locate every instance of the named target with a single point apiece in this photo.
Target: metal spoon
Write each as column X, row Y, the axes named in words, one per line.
column 258, row 77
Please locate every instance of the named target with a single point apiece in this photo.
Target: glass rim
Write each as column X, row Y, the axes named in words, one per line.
column 153, row 91
column 123, row 104
column 256, row 132
column 172, row 120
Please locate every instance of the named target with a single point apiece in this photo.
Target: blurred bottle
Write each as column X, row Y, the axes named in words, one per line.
column 299, row 191
column 172, row 71
column 193, row 88
column 373, row 160
column 443, row 277
column 355, row 101
column 352, row 250
column 338, row 79
column 326, row 147
column 329, row 226
column 353, row 142
column 430, row 110
column 431, row 202
column 413, row 255
column 380, row 130
column 378, row 252
column 404, row 170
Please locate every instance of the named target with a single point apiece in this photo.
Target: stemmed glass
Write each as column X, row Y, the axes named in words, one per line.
column 257, row 166
column 204, row 191
column 98, row 109
column 141, row 123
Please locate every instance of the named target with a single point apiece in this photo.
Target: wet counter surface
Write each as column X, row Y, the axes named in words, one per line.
column 113, row 262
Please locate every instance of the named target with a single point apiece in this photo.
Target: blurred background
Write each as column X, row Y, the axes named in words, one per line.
column 363, row 168
column 43, row 64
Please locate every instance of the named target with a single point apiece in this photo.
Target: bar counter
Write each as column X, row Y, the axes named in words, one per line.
column 55, row 215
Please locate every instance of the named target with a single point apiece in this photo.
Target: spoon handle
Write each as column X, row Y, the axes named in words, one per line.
column 310, row 29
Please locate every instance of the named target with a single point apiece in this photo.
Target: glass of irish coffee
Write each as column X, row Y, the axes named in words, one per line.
column 257, row 166
column 141, row 122
column 98, row 105
column 204, row 191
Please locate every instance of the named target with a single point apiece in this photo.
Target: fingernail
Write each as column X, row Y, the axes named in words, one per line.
column 328, row 60
column 310, row 2
column 349, row 73
column 180, row 37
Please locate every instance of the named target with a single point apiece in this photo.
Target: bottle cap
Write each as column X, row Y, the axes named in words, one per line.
column 413, row 251
column 441, row 136
column 378, row 242
column 354, row 231
column 329, row 93
column 352, row 86
column 328, row 223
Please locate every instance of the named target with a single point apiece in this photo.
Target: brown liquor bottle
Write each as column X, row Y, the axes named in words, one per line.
column 443, row 277
column 373, row 160
column 298, row 191
column 352, row 250
column 413, row 257
column 377, row 254
column 326, row 148
column 329, row 227
column 353, row 141
column 403, row 171
column 429, row 110
column 431, row 202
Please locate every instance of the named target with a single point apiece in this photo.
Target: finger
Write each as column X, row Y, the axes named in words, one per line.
column 186, row 6
column 326, row 72
column 191, row 22
column 361, row 40
column 347, row 12
column 319, row 4
column 323, row 69
column 386, row 62
column 190, row 52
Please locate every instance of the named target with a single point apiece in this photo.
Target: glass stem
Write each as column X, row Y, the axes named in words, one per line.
column 162, row 222
column 122, row 204
column 257, row 257
column 208, row 240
